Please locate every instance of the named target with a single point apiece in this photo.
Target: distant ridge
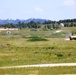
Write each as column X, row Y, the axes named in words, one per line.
column 19, row 20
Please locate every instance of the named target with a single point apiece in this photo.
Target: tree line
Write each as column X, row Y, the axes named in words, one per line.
column 45, row 25
column 32, row 24
column 68, row 22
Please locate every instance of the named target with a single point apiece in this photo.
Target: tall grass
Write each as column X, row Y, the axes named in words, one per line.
column 15, row 49
column 39, row 71
column 19, row 51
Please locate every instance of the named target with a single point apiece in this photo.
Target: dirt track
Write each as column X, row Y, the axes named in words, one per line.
column 40, row 65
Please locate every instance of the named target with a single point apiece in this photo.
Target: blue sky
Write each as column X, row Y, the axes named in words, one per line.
column 45, row 9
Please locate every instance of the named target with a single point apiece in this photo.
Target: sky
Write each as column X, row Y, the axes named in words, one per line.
column 44, row 9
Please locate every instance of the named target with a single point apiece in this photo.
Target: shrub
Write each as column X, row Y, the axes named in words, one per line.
column 37, row 38
column 59, row 55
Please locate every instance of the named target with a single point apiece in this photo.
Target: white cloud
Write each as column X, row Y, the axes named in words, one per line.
column 69, row 3
column 38, row 9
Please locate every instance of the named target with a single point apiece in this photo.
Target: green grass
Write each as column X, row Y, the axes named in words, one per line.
column 19, row 51
column 15, row 49
column 28, row 33
column 39, row 71
column 70, row 29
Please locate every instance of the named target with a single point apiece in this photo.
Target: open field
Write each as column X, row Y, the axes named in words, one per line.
column 15, row 49
column 19, row 51
column 40, row 71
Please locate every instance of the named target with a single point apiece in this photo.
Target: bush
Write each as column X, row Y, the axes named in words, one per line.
column 59, row 55
column 37, row 38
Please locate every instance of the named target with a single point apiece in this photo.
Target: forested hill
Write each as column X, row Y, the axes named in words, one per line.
column 35, row 20
column 19, row 20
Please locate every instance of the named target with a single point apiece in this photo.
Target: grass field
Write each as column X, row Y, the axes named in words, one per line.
column 15, row 49
column 40, row 71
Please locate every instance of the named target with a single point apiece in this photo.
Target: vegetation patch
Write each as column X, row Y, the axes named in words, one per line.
column 59, row 55
column 37, row 38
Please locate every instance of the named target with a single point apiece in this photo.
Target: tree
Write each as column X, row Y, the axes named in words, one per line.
column 49, row 26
